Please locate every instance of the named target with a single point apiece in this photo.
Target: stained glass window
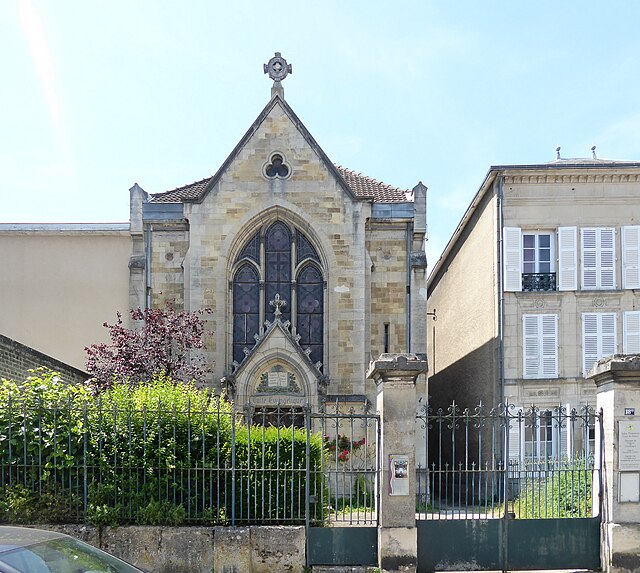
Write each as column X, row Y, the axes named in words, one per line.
column 310, row 311
column 304, row 249
column 246, row 310
column 252, row 249
column 277, row 167
column 277, row 252
column 276, row 272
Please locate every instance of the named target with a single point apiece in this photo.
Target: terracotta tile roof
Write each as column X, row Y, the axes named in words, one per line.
column 363, row 186
column 178, row 195
column 360, row 185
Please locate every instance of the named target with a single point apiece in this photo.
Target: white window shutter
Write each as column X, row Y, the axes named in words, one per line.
column 631, row 257
column 599, row 337
column 609, row 335
column 631, row 332
column 567, row 258
column 589, row 258
column 540, row 345
column 607, row 255
column 549, row 354
column 517, row 423
column 598, row 258
column 590, row 332
column 512, row 252
column 531, row 341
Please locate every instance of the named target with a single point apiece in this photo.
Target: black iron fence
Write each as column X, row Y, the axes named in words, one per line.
column 67, row 458
column 509, row 462
column 350, row 464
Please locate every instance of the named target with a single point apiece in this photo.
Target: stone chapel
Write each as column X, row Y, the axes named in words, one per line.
column 310, row 270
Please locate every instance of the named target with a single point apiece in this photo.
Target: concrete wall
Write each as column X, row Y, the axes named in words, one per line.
column 60, row 283
column 275, row 549
column 462, row 344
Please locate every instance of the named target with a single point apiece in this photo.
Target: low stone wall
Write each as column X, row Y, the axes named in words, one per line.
column 17, row 359
column 259, row 549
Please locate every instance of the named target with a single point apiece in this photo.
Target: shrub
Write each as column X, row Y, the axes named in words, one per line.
column 273, row 460
column 42, row 422
column 158, row 452
column 565, row 492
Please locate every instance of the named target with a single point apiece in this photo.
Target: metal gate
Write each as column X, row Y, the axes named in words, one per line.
column 509, row 488
column 342, row 509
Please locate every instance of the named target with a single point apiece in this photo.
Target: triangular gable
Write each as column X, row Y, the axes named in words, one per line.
column 277, row 345
column 276, row 100
column 278, row 336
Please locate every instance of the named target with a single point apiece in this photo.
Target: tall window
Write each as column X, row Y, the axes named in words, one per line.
column 538, row 436
column 537, row 253
column 529, row 260
column 278, row 262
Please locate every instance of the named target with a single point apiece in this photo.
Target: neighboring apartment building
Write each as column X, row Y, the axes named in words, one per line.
column 540, row 279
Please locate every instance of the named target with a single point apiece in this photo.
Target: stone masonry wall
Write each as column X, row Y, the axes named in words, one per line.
column 387, row 249
column 168, row 251
column 17, row 359
column 312, row 200
column 275, row 549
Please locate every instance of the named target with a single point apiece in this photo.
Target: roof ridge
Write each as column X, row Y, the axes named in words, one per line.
column 361, row 186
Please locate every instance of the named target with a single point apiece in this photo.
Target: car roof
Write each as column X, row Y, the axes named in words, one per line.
column 12, row 537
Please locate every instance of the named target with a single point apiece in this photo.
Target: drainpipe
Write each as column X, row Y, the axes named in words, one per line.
column 147, row 266
column 501, row 286
column 408, row 284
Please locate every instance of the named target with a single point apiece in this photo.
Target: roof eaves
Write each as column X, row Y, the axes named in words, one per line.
column 494, row 170
column 567, row 164
column 486, row 185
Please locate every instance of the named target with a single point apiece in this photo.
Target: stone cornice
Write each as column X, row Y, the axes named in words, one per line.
column 555, row 178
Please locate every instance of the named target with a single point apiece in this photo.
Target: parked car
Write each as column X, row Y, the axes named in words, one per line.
column 26, row 550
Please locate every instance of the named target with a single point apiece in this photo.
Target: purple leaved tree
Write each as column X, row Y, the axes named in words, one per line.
column 168, row 341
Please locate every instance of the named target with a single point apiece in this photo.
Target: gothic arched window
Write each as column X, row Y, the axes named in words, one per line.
column 278, row 260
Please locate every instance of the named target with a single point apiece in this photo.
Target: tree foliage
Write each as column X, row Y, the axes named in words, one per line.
column 167, row 341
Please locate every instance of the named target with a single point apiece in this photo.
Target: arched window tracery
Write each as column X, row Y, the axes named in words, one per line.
column 290, row 268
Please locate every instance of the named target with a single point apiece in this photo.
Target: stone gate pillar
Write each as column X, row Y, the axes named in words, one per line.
column 395, row 377
column 618, row 397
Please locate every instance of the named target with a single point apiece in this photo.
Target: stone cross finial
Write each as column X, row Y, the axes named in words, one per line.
column 278, row 302
column 278, row 69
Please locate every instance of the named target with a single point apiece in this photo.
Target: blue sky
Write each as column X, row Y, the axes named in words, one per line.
column 97, row 95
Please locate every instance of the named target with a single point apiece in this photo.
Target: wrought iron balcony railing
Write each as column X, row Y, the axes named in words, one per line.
column 538, row 282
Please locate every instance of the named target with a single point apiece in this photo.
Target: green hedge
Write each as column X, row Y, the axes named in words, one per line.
column 157, row 453
column 566, row 491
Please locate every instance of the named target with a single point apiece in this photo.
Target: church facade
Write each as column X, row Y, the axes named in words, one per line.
column 309, row 270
